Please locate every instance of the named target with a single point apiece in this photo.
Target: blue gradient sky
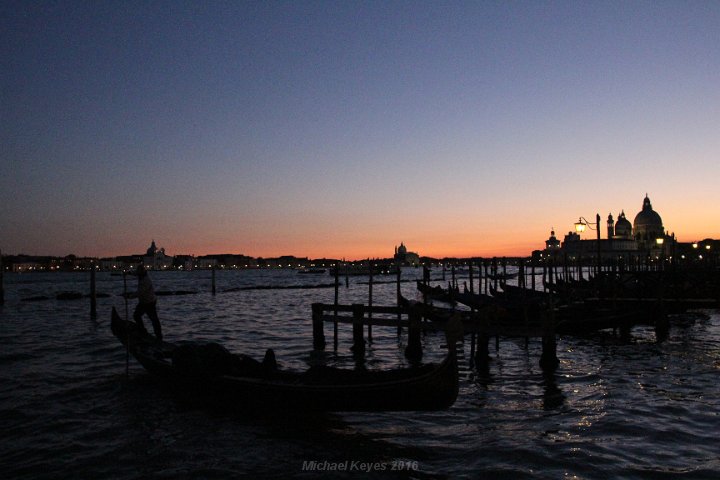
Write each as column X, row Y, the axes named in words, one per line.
column 342, row 128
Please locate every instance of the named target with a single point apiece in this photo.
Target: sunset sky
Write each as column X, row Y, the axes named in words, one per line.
column 340, row 129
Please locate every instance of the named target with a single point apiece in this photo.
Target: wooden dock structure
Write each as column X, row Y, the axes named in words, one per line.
column 481, row 325
column 568, row 301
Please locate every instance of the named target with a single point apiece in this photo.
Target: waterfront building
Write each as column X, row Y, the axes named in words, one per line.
column 645, row 237
column 155, row 258
column 110, row 264
column 648, row 226
column 21, row 267
column 403, row 257
column 552, row 244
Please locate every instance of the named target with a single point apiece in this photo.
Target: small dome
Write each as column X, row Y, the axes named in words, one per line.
column 552, row 242
column 623, row 226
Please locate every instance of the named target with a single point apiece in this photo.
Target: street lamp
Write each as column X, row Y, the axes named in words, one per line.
column 580, row 227
column 659, row 242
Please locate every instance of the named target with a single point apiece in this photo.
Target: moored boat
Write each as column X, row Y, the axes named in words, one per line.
column 360, row 270
column 240, row 382
column 437, row 292
column 311, row 271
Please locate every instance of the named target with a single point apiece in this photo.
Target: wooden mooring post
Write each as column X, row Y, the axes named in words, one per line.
column 548, row 358
column 485, row 267
column 413, row 350
column 662, row 322
column 213, row 279
column 399, row 300
column 358, row 347
column 127, row 339
column 335, row 323
column 370, row 299
column 2, row 287
column 426, row 281
column 317, row 323
column 471, row 279
column 480, row 276
column 532, row 273
column 482, row 351
column 93, row 293
column 472, row 290
column 495, row 272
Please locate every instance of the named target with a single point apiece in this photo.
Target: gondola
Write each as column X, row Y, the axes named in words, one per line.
column 219, row 378
column 437, row 292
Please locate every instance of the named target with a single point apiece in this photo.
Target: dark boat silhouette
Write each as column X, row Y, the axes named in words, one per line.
column 238, row 382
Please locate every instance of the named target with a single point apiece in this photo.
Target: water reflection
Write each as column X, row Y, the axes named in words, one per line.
column 611, row 406
column 553, row 397
column 483, row 377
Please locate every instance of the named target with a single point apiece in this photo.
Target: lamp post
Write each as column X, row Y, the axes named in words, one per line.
column 709, row 258
column 580, row 227
column 659, row 242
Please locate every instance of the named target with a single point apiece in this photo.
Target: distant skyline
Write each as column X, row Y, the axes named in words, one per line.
column 340, row 129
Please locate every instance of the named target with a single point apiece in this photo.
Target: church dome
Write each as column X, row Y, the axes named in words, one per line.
column 623, row 228
column 647, row 219
column 152, row 250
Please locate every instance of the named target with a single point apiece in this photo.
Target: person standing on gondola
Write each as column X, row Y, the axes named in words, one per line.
column 147, row 302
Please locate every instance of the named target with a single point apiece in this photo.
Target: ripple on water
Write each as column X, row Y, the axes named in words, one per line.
column 616, row 407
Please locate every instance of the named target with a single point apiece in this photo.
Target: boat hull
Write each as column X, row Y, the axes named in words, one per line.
column 429, row 387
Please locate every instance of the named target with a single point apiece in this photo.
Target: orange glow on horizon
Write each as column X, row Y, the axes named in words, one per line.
column 487, row 232
column 519, row 247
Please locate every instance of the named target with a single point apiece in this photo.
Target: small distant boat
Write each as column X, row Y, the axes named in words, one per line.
column 361, row 270
column 311, row 271
column 238, row 382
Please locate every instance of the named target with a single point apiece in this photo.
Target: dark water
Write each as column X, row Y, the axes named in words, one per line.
column 614, row 409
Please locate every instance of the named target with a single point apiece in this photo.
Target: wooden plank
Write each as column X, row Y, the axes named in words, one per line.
column 392, row 310
column 382, row 322
column 502, row 330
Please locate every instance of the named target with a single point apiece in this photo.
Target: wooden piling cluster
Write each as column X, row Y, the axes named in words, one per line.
column 481, row 325
column 213, row 281
column 361, row 316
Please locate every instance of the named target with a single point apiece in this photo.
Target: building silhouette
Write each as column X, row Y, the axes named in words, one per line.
column 646, row 236
column 403, row 257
